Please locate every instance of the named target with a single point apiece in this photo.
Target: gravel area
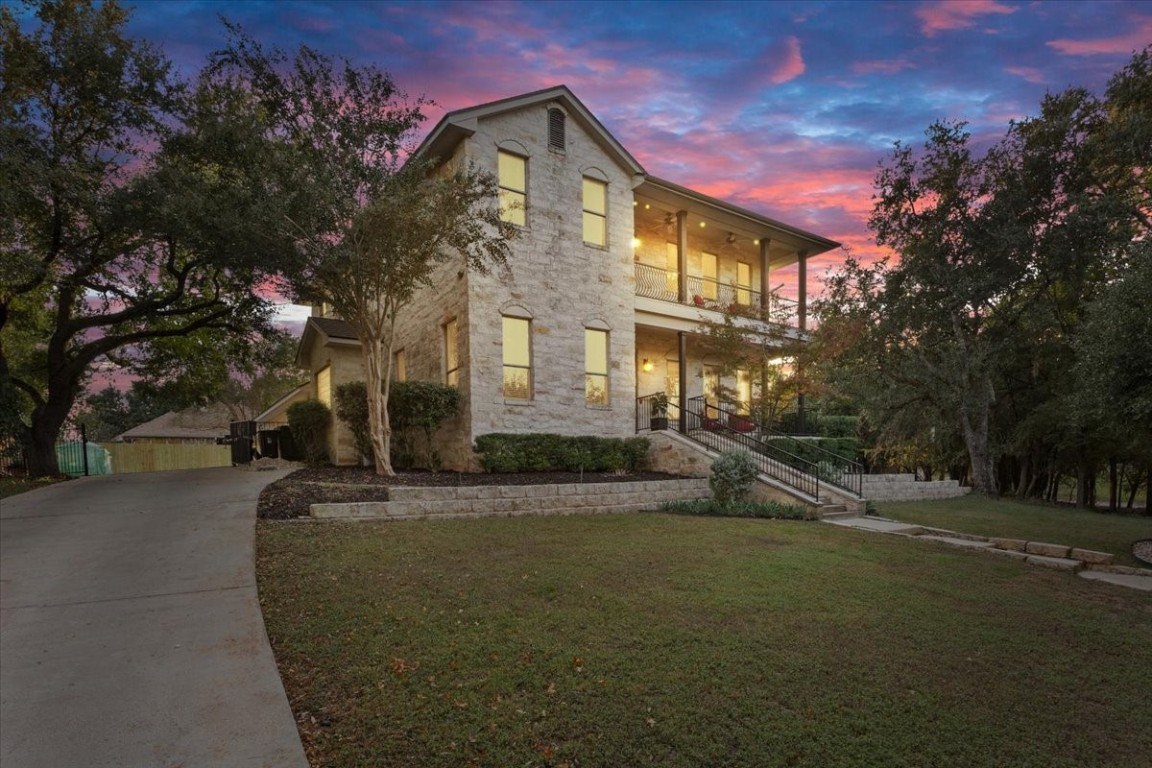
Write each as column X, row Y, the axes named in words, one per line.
column 292, row 496
column 1142, row 550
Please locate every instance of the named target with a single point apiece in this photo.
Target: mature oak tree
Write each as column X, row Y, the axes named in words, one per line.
column 130, row 211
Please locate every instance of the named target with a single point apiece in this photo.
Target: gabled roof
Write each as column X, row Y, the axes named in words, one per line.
column 462, row 123
column 204, row 423
column 326, row 330
column 278, row 410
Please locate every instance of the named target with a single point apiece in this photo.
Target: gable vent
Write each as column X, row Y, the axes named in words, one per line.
column 555, row 129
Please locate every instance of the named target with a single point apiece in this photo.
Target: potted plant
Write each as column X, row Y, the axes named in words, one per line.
column 659, row 411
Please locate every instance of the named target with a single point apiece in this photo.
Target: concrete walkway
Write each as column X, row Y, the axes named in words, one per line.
column 1141, row 581
column 130, row 630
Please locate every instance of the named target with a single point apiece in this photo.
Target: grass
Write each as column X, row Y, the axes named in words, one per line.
column 10, row 486
column 980, row 515
column 630, row 640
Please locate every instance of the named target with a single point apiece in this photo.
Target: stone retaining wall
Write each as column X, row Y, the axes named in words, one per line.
column 908, row 488
column 509, row 500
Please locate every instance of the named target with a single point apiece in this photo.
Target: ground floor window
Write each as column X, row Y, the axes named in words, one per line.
column 400, row 366
column 517, row 358
column 324, row 385
column 595, row 366
column 451, row 354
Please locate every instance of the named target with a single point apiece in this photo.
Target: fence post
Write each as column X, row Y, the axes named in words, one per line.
column 84, row 447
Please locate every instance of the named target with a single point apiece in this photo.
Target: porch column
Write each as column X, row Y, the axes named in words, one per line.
column 682, row 374
column 682, row 254
column 765, row 278
column 802, row 291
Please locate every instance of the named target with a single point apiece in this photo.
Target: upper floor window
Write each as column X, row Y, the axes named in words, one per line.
column 556, row 129
column 595, row 366
column 517, row 358
column 512, row 175
column 400, row 365
column 595, row 212
column 451, row 354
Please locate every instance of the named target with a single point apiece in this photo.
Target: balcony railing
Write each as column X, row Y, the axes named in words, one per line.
column 663, row 284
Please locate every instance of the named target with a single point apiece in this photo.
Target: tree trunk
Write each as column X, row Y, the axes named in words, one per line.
column 40, row 438
column 377, row 367
column 979, row 454
column 1083, row 486
column 1113, row 485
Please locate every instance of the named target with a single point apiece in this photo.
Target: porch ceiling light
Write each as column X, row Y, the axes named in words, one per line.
column 635, row 243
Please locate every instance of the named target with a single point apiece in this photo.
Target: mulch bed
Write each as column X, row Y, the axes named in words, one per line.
column 292, row 496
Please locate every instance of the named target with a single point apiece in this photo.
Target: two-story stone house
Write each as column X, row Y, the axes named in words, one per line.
column 610, row 278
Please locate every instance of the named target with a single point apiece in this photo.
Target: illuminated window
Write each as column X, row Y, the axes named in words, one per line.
column 556, row 129
column 324, row 385
column 451, row 354
column 512, row 171
column 400, row 366
column 743, row 283
column 595, row 366
column 711, row 385
column 744, row 391
column 595, row 212
column 672, row 273
column 517, row 358
column 708, row 275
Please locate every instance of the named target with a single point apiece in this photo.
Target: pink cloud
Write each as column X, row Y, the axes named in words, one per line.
column 789, row 64
column 1031, row 74
column 956, row 14
column 883, row 66
column 1137, row 38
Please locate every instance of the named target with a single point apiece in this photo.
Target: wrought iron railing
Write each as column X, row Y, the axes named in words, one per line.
column 656, row 283
column 832, row 468
column 704, row 424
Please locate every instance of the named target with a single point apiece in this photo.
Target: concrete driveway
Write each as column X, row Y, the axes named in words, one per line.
column 130, row 631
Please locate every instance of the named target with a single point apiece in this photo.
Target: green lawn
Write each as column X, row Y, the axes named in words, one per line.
column 629, row 640
column 980, row 515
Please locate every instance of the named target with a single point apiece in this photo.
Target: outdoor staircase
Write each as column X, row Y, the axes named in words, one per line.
column 833, row 485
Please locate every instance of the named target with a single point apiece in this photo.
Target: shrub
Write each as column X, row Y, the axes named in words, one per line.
column 352, row 409
column 764, row 509
column 543, row 452
column 419, row 408
column 732, row 476
column 309, row 422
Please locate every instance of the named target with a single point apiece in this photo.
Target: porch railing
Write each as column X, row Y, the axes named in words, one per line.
column 706, row 293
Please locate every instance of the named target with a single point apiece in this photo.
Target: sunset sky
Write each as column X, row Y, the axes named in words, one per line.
column 785, row 108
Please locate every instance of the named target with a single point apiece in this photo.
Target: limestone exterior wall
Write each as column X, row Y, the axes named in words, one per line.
column 562, row 284
column 346, row 365
column 420, row 334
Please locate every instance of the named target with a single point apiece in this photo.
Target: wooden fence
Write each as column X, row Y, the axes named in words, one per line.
column 157, row 457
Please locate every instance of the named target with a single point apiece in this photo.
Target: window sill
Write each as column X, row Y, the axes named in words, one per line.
column 595, row 246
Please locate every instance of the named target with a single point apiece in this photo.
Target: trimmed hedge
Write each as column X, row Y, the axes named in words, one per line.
column 542, row 452
column 773, row 510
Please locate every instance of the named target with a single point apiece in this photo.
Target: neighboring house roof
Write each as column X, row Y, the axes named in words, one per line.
column 323, row 331
column 457, row 125
column 205, row 423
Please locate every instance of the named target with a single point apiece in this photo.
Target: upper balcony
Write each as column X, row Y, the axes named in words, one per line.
column 696, row 255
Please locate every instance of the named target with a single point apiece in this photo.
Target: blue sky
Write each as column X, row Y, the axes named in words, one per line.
column 785, row 108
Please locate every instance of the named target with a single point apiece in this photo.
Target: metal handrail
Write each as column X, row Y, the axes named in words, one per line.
column 833, row 468
column 792, row 470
